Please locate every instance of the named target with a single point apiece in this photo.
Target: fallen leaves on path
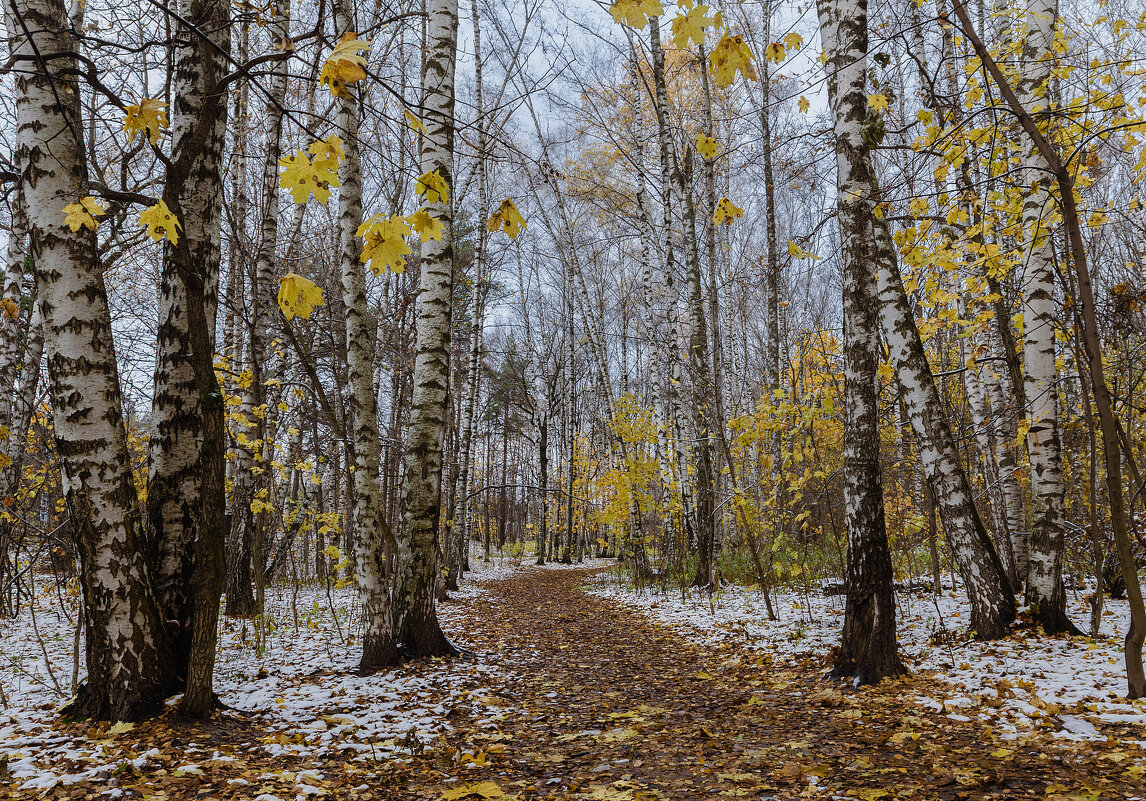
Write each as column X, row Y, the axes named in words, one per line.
column 581, row 699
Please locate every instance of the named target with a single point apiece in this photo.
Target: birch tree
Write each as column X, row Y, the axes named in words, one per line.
column 379, row 648
column 868, row 648
column 186, row 502
column 1045, row 592
column 416, row 618
column 129, row 666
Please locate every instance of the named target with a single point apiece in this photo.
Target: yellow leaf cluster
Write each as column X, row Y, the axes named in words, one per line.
column 303, row 175
column 433, row 187
column 83, row 214
column 797, row 252
column 775, row 52
column 344, row 67
column 877, row 102
column 298, row 296
column 726, row 211
column 689, row 26
column 384, row 243
column 803, row 104
column 635, row 13
column 425, row 225
column 148, row 116
column 731, row 55
column 161, row 222
column 506, row 218
column 706, row 146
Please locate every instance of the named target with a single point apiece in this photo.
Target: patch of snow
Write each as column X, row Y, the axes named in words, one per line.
column 1024, row 682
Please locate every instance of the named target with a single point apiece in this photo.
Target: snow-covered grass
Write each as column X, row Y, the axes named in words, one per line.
column 294, row 675
column 1026, row 682
column 297, row 681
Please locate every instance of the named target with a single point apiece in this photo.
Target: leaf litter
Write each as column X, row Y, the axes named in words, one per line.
column 572, row 696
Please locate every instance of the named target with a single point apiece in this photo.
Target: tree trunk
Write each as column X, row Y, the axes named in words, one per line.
column 992, row 603
column 417, row 619
column 1045, row 592
column 127, row 650
column 379, row 647
column 868, row 647
column 181, row 446
column 246, row 543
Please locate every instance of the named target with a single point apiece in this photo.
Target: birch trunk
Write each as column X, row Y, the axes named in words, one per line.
column 992, row 603
column 11, row 312
column 180, row 449
column 379, row 648
column 126, row 647
column 1045, row 592
column 252, row 476
column 459, row 539
column 698, row 355
column 868, row 648
column 416, row 617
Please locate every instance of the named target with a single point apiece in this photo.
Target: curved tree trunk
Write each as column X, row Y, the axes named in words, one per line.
column 992, row 603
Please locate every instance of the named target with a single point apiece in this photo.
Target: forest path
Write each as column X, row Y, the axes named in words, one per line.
column 574, row 697
column 603, row 704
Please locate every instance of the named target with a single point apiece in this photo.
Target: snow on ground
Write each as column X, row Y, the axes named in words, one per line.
column 299, row 683
column 1029, row 681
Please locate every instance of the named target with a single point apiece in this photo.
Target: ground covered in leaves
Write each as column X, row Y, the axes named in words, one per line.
column 581, row 697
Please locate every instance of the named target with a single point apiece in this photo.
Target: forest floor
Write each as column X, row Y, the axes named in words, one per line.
column 571, row 695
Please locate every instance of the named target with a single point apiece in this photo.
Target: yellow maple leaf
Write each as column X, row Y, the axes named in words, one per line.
column 635, row 13
column 706, row 146
column 774, row 52
column 793, row 41
column 384, row 243
column 83, row 214
column 298, row 296
column 433, row 187
column 148, row 116
column 414, row 122
column 327, row 152
column 731, row 55
column 425, row 225
column 301, row 177
column 690, row 26
column 803, row 104
column 726, row 211
column 877, row 102
column 506, row 217
column 797, row 252
column 344, row 66
column 161, row 222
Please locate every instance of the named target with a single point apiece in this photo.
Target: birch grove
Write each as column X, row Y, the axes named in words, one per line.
column 366, row 299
